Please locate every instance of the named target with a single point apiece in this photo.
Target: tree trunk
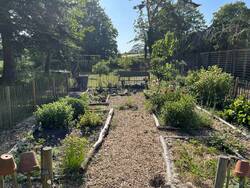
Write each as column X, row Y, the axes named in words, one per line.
column 47, row 63
column 9, row 67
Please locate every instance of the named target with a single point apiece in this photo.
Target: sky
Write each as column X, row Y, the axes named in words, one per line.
column 123, row 17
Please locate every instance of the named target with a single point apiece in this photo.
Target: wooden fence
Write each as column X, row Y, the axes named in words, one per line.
column 240, row 88
column 17, row 102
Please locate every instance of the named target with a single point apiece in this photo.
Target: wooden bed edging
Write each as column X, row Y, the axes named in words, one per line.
column 223, row 121
column 167, row 160
column 98, row 143
column 158, row 126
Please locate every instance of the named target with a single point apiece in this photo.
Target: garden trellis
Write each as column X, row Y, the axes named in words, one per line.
column 236, row 62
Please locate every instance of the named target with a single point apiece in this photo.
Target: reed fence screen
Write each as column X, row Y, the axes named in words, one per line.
column 18, row 102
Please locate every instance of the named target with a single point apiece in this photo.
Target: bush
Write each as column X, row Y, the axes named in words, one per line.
column 239, row 111
column 57, row 115
column 89, row 120
column 78, row 105
column 210, row 86
column 179, row 113
column 101, row 67
column 74, row 152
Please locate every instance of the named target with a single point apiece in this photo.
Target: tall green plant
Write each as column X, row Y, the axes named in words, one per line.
column 210, row 86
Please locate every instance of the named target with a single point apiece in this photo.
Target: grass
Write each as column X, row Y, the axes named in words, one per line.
column 195, row 162
column 102, row 81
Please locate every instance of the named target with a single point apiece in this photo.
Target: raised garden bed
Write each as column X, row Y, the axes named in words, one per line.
column 37, row 139
column 194, row 160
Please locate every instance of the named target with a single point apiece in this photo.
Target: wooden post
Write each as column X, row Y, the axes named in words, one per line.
column 34, row 92
column 8, row 101
column 54, row 87
column 242, row 182
column 46, row 167
column 67, row 84
column 236, row 87
column 14, row 177
column 1, row 182
column 228, row 174
column 221, row 171
column 29, row 181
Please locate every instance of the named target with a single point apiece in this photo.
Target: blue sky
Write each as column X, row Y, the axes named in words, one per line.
column 123, row 16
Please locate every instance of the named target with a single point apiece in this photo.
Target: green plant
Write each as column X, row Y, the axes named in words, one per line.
column 179, row 113
column 210, row 86
column 225, row 143
column 239, row 111
column 89, row 119
column 101, row 67
column 74, row 152
column 78, row 105
column 57, row 115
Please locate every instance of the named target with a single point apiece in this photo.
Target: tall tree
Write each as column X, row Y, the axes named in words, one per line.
column 101, row 38
column 231, row 27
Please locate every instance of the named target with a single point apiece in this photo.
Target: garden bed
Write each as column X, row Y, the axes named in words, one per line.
column 194, row 160
column 59, row 140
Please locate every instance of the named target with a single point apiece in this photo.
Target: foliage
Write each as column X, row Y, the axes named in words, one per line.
column 162, row 70
column 211, row 86
column 156, row 18
column 74, row 153
column 164, row 48
column 89, row 120
column 239, row 111
column 57, row 115
column 196, row 162
column 128, row 105
column 101, row 68
column 226, row 143
column 101, row 39
column 230, row 27
column 78, row 105
column 180, row 112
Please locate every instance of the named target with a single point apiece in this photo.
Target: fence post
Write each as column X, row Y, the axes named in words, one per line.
column 221, row 171
column 236, row 87
column 34, row 92
column 8, row 101
column 46, row 167
column 54, row 87
column 67, row 84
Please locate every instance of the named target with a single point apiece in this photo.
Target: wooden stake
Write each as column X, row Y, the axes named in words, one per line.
column 1, row 182
column 29, row 181
column 242, row 182
column 46, row 167
column 221, row 171
column 14, row 177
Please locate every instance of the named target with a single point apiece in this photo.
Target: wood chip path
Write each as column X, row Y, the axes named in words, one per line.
column 131, row 155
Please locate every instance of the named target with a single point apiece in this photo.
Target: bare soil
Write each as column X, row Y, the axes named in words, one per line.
column 131, row 155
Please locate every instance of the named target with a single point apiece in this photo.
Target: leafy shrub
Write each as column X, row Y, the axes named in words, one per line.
column 78, row 106
column 57, row 115
column 162, row 70
column 179, row 113
column 89, row 119
column 74, row 152
column 210, row 86
column 239, row 111
column 101, row 67
column 226, row 143
column 159, row 99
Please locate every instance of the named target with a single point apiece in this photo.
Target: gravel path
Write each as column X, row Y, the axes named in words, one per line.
column 131, row 155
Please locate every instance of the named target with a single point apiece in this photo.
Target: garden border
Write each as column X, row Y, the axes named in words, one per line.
column 224, row 122
column 98, row 143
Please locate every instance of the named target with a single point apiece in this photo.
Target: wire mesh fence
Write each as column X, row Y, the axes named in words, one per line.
column 17, row 102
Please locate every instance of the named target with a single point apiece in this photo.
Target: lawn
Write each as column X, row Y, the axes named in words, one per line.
column 102, row 81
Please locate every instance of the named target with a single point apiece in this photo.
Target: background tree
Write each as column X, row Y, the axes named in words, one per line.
column 231, row 27
column 101, row 38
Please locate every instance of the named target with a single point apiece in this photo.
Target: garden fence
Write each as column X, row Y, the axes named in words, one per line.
column 236, row 62
column 17, row 102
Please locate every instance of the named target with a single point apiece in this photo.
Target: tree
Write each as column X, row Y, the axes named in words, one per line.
column 156, row 18
column 231, row 28
column 101, row 38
